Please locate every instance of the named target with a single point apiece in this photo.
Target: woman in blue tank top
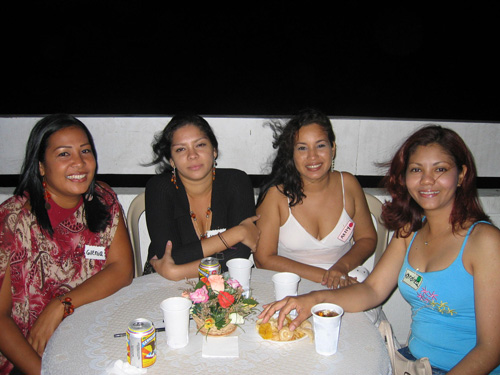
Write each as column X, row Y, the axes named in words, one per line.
column 444, row 257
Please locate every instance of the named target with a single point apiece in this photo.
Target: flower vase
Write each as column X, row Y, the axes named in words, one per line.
column 213, row 331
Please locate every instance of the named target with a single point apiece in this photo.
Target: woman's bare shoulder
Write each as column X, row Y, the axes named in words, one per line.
column 275, row 194
column 352, row 189
column 351, row 183
column 404, row 233
column 274, row 197
column 482, row 251
column 347, row 175
column 485, row 235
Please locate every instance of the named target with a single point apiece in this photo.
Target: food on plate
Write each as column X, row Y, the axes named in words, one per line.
column 270, row 331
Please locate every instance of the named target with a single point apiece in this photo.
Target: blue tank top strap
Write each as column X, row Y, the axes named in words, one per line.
column 409, row 246
column 468, row 234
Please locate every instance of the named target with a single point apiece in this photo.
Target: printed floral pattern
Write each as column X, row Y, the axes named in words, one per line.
column 42, row 267
column 430, row 299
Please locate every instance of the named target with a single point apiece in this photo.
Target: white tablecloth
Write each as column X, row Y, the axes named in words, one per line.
column 84, row 342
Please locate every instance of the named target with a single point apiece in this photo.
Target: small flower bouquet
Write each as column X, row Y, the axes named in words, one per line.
column 218, row 304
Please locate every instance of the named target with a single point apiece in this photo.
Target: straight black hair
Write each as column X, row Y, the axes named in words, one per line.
column 30, row 180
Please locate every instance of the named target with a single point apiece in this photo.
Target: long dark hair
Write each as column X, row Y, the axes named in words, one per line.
column 284, row 174
column 162, row 143
column 403, row 210
column 30, row 180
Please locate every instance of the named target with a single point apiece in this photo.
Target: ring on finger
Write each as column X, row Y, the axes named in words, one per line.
column 342, row 277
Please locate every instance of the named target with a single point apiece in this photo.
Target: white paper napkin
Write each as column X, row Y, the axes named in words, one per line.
column 124, row 368
column 226, row 346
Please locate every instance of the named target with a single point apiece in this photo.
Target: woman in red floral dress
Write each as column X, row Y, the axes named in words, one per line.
column 63, row 241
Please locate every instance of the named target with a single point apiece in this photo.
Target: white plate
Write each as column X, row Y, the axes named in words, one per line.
column 283, row 342
column 280, row 342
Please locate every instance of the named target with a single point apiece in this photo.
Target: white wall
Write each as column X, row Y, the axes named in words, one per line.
column 124, row 143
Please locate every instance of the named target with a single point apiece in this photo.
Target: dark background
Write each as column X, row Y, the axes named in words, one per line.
column 240, row 58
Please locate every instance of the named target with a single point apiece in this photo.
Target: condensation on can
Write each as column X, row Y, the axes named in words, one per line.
column 141, row 343
column 209, row 266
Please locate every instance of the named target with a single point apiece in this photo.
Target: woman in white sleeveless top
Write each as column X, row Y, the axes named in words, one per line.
column 314, row 221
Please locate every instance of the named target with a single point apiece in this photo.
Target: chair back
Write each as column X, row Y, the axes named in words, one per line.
column 375, row 207
column 135, row 211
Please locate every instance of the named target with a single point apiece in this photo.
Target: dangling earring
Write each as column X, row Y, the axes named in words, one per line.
column 46, row 195
column 174, row 179
column 213, row 170
column 333, row 165
column 88, row 196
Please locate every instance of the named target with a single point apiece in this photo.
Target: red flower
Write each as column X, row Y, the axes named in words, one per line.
column 205, row 280
column 225, row 299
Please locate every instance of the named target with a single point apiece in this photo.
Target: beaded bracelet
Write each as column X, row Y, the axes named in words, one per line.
column 223, row 240
column 69, row 308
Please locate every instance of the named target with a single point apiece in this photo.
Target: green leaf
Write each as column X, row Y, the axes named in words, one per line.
column 250, row 301
column 199, row 285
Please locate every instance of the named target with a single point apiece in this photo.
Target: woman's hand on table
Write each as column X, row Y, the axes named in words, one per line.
column 301, row 304
column 337, row 277
column 45, row 325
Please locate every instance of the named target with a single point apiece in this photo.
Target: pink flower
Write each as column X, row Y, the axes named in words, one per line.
column 233, row 283
column 199, row 295
column 216, row 282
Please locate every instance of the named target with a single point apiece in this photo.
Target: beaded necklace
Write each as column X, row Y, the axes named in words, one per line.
column 208, row 215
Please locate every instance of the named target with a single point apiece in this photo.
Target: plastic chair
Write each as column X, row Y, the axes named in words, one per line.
column 135, row 211
column 375, row 207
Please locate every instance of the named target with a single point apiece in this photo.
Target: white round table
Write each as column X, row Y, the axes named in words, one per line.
column 84, row 342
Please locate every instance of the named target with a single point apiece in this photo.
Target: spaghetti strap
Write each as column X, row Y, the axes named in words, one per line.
column 468, row 234
column 343, row 194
